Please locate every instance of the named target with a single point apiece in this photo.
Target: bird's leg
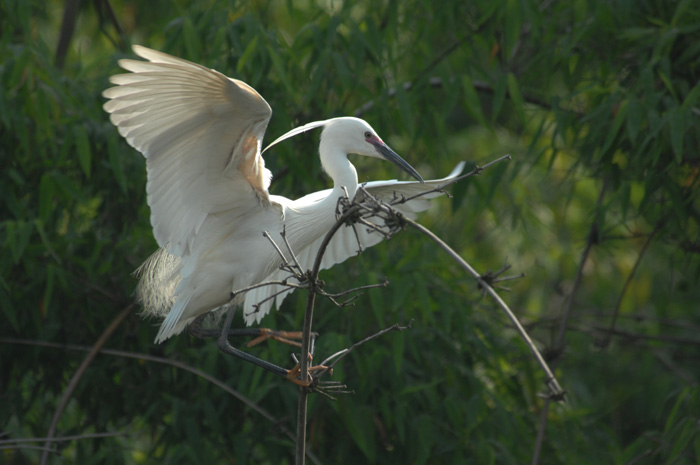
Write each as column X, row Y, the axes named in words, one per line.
column 292, row 375
column 280, row 336
column 259, row 334
column 226, row 347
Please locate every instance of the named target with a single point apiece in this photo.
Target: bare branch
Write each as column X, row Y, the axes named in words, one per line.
column 555, row 390
column 474, row 172
column 45, row 449
column 66, row 438
column 297, row 266
column 338, row 356
column 384, row 283
column 606, row 341
column 177, row 364
column 566, row 312
column 306, row 334
column 79, row 374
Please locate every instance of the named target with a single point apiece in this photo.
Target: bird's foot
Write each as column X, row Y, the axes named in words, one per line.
column 285, row 337
column 294, row 375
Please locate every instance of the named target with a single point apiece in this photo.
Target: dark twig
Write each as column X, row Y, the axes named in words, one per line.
column 347, row 213
column 297, row 266
column 474, row 172
column 435, row 82
column 182, row 366
column 558, row 347
column 481, row 86
column 384, row 283
column 306, row 334
column 70, row 17
column 493, row 278
column 566, row 312
column 608, row 337
column 79, row 374
column 45, row 449
column 338, row 356
column 65, row 438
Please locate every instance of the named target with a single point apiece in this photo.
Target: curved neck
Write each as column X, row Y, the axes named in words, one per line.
column 339, row 168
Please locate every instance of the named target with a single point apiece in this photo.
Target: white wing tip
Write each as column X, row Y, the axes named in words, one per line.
column 457, row 169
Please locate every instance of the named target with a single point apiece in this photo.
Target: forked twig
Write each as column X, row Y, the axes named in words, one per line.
column 338, row 356
column 474, row 172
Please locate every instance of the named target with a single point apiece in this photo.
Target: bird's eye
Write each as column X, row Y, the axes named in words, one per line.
column 368, row 135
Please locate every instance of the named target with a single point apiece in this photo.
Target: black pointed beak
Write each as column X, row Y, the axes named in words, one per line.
column 393, row 157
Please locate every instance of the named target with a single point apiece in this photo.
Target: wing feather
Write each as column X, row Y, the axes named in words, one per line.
column 200, row 133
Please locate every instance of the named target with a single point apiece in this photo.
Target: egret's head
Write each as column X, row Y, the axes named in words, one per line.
column 353, row 135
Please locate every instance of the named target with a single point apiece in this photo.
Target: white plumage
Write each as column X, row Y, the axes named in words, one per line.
column 201, row 134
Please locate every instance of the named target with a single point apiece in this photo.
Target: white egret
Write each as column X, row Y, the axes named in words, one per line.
column 201, row 134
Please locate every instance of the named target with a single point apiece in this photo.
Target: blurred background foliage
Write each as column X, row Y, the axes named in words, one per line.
column 598, row 103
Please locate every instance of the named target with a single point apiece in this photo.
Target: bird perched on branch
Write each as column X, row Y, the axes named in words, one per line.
column 201, row 134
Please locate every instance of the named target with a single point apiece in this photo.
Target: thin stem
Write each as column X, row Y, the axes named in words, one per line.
column 65, row 438
column 555, row 390
column 476, row 171
column 592, row 239
column 338, row 356
column 306, row 334
column 558, row 348
column 79, row 374
column 180, row 365
column 608, row 337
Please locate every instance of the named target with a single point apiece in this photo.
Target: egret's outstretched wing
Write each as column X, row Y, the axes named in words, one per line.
column 201, row 134
column 347, row 242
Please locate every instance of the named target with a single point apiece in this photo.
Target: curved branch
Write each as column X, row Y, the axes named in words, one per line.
column 79, row 374
column 555, row 390
column 183, row 366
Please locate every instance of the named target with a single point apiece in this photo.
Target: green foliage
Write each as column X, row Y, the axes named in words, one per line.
column 597, row 101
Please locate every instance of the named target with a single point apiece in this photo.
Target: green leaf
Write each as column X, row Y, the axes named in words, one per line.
column 671, row 419
column 82, row 146
column 359, row 424
column 18, row 234
column 280, row 71
column 669, row 85
column 635, row 116
column 677, row 122
column 47, row 195
column 499, row 95
column 620, row 118
column 45, row 239
column 512, row 27
column 250, row 49
column 191, row 38
column 515, row 96
column 682, row 10
column 472, row 104
column 116, row 162
column 691, row 99
column 398, row 342
column 7, row 306
column 405, row 107
column 48, row 289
